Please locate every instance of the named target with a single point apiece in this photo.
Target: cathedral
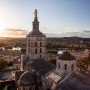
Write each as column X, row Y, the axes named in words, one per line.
column 36, row 72
column 34, row 65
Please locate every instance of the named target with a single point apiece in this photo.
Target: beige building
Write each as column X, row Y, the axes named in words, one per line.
column 34, row 63
column 36, row 41
column 36, row 60
column 65, row 66
column 66, row 62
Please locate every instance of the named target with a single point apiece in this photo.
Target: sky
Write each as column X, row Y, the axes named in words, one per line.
column 56, row 17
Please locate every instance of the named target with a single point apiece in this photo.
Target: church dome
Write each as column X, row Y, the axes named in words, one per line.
column 27, row 79
column 66, row 56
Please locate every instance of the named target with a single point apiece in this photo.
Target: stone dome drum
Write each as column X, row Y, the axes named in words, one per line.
column 26, row 79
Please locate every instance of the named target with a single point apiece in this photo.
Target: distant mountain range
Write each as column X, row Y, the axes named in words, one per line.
column 83, row 34
column 72, row 37
column 50, row 35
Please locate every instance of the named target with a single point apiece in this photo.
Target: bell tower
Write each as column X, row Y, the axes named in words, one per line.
column 35, row 22
column 36, row 41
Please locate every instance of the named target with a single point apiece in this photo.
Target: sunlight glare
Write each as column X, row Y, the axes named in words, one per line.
column 2, row 26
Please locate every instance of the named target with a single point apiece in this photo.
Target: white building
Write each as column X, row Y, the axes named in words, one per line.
column 66, row 62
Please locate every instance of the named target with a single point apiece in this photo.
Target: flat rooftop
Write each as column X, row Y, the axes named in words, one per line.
column 54, row 77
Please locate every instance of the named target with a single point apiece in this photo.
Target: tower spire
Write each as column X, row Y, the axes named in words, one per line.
column 35, row 22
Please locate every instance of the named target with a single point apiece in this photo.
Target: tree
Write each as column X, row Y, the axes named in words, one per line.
column 8, row 47
column 3, row 63
column 84, row 63
column 23, row 50
column 10, row 87
column 52, row 60
column 81, row 63
column 88, row 59
column 52, row 51
column 10, row 63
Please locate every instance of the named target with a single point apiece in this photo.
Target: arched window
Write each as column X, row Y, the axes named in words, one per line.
column 72, row 67
column 35, row 50
column 58, row 65
column 65, row 66
column 40, row 50
column 40, row 44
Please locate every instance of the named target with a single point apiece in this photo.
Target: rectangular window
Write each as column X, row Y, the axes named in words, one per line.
column 40, row 50
column 51, row 83
column 35, row 44
column 65, row 66
column 58, row 65
column 35, row 50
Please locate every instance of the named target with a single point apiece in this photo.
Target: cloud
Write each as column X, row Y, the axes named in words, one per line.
column 80, row 33
column 86, row 31
column 18, row 33
column 10, row 32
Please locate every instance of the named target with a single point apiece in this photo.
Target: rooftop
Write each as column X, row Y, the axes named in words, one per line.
column 26, row 79
column 66, row 56
column 35, row 33
column 75, row 82
column 54, row 77
column 41, row 66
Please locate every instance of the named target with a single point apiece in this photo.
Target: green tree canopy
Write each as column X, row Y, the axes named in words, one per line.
column 10, row 63
column 8, row 47
column 52, row 60
column 3, row 63
column 84, row 63
column 23, row 50
column 53, row 51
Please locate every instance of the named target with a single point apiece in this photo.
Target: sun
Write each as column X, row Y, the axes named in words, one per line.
column 2, row 26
